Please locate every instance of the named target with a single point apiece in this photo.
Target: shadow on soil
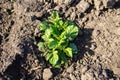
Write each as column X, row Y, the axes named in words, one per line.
column 14, row 71
column 74, row 2
column 17, row 70
column 83, row 43
column 117, row 5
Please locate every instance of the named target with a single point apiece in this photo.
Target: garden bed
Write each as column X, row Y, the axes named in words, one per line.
column 98, row 41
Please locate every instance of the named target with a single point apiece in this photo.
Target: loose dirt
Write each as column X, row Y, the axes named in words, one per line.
column 98, row 41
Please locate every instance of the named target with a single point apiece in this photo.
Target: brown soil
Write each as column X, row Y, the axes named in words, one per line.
column 98, row 41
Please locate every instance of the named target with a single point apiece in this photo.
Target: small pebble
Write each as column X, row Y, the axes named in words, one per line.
column 83, row 6
column 47, row 74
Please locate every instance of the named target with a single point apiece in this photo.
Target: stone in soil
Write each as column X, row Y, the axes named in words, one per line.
column 67, row 2
column 117, row 31
column 82, row 6
column 47, row 74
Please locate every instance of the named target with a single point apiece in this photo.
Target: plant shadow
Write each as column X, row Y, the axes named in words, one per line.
column 18, row 69
column 83, row 42
column 117, row 5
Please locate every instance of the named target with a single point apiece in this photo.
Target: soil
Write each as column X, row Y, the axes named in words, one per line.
column 98, row 41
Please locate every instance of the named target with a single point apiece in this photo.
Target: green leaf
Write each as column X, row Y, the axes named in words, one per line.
column 64, row 42
column 63, row 58
column 47, row 35
column 68, row 52
column 48, row 32
column 54, row 31
column 57, row 65
column 60, row 22
column 71, row 32
column 41, row 44
column 55, row 15
column 60, row 25
column 54, row 59
column 45, row 38
column 74, row 48
column 48, row 56
column 70, row 22
column 54, row 18
column 52, row 43
column 43, row 26
column 65, row 25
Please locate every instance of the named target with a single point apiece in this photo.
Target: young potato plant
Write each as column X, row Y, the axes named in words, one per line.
column 57, row 37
